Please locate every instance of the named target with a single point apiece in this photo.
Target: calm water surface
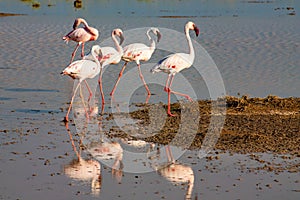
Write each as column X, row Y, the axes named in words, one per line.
column 254, row 44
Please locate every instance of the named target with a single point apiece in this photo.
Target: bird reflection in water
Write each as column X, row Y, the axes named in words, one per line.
column 177, row 173
column 87, row 170
column 106, row 150
column 109, row 150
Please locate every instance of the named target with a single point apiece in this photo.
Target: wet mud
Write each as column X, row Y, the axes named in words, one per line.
column 252, row 125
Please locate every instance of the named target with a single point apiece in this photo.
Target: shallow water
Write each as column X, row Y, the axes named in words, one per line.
column 254, row 47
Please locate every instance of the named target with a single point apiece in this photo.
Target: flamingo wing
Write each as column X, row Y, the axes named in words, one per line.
column 173, row 63
column 110, row 56
column 82, row 69
column 136, row 51
column 78, row 35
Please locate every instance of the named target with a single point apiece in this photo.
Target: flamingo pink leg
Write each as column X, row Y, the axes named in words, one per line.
column 169, row 91
column 90, row 96
column 120, row 75
column 70, row 106
column 142, row 78
column 181, row 94
column 82, row 50
column 90, row 91
column 101, row 89
column 73, row 53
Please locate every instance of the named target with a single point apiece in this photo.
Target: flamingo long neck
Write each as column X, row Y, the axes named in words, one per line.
column 152, row 45
column 84, row 23
column 119, row 48
column 95, row 58
column 191, row 48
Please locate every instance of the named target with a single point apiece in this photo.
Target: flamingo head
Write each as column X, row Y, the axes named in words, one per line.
column 78, row 21
column 119, row 33
column 155, row 31
column 192, row 26
column 96, row 52
column 70, row 71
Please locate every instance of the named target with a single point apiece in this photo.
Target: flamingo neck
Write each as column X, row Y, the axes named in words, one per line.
column 84, row 22
column 96, row 59
column 152, row 45
column 191, row 48
column 117, row 45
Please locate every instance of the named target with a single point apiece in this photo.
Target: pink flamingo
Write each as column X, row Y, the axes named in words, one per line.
column 81, row 35
column 109, row 55
column 174, row 63
column 81, row 70
column 138, row 52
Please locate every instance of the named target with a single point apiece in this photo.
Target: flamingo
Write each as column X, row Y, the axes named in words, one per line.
column 81, row 35
column 109, row 55
column 174, row 63
column 81, row 70
column 138, row 52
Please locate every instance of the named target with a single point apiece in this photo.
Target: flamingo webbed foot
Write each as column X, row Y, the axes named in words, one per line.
column 189, row 98
column 171, row 115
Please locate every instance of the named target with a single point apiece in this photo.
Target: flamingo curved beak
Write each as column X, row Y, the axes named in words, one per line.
column 121, row 39
column 158, row 36
column 197, row 30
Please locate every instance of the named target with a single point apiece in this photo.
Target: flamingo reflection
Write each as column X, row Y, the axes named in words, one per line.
column 177, row 173
column 107, row 150
column 87, row 170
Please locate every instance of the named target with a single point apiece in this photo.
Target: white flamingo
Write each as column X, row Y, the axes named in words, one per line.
column 174, row 63
column 138, row 52
column 81, row 70
column 81, row 35
column 109, row 55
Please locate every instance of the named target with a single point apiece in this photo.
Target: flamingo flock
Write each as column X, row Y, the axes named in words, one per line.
column 92, row 64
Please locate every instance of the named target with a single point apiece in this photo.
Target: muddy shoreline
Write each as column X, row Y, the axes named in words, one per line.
column 9, row 14
column 251, row 125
